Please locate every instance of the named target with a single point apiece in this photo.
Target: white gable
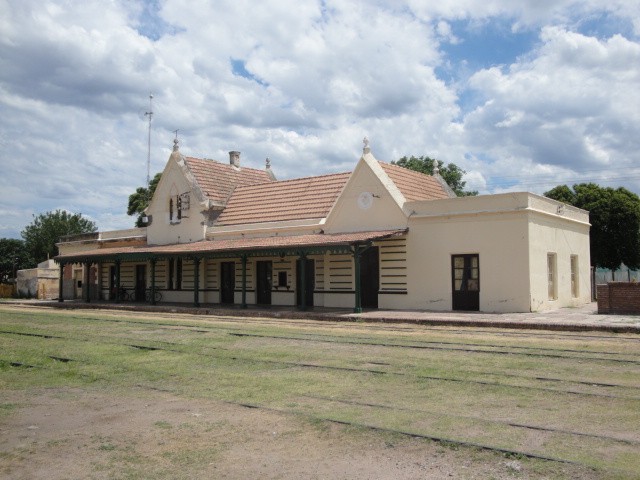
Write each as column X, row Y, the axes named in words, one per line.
column 175, row 210
column 369, row 201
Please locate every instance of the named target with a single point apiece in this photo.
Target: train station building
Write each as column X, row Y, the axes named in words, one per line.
column 379, row 236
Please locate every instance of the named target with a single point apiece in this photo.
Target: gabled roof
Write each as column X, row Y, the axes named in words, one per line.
column 218, row 180
column 414, row 185
column 313, row 197
column 285, row 200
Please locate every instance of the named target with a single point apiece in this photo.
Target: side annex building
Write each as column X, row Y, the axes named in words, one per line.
column 380, row 236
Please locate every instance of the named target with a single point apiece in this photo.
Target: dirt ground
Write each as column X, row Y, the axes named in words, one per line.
column 70, row 434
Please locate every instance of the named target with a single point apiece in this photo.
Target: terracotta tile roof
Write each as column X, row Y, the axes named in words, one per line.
column 298, row 199
column 414, row 185
column 234, row 245
column 218, row 180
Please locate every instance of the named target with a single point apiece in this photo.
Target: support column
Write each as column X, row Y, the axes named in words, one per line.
column 244, row 281
column 196, row 282
column 61, row 283
column 203, row 278
column 87, row 279
column 153, row 282
column 356, row 265
column 117, row 264
column 99, row 281
column 303, row 281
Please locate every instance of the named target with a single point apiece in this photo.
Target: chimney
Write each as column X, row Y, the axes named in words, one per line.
column 234, row 159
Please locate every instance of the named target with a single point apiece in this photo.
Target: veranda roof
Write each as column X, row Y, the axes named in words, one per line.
column 274, row 245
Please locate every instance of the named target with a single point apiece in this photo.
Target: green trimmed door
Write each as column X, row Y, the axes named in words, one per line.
column 141, row 282
column 263, row 282
column 369, row 277
column 309, row 283
column 227, row 282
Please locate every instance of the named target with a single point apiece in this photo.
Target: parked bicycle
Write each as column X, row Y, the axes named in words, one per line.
column 123, row 294
column 157, row 296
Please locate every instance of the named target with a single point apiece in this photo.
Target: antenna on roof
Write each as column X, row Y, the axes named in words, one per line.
column 149, row 114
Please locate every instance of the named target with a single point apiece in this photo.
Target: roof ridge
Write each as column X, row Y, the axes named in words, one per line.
column 289, row 180
column 404, row 169
column 226, row 165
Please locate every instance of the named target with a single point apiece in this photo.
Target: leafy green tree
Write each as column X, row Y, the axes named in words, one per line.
column 140, row 200
column 614, row 215
column 13, row 256
column 451, row 173
column 41, row 236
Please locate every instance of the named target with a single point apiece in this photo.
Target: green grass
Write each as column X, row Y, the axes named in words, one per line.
column 277, row 373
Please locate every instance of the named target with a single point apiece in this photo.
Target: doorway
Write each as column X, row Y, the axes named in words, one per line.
column 227, row 282
column 369, row 277
column 141, row 282
column 263, row 282
column 309, row 282
column 465, row 282
column 112, row 283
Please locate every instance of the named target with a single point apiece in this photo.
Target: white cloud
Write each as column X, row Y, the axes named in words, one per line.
column 573, row 105
column 75, row 78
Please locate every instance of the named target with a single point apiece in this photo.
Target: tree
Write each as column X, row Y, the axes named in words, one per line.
column 140, row 200
column 452, row 174
column 614, row 215
column 41, row 236
column 13, row 257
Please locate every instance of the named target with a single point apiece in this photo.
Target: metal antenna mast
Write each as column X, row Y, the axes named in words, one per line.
column 149, row 114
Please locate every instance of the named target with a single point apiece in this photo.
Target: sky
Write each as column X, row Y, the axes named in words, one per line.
column 522, row 95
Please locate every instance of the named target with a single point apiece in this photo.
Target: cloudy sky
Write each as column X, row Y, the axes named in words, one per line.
column 523, row 95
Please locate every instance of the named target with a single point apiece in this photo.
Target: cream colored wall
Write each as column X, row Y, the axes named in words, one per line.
column 501, row 242
column 512, row 240
column 162, row 231
column 550, row 234
column 76, row 247
column 384, row 213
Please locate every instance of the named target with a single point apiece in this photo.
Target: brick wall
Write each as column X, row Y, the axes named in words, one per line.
column 619, row 297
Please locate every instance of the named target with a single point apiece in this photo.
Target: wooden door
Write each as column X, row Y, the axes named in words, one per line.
column 112, row 283
column 141, row 282
column 369, row 278
column 309, row 280
column 465, row 282
column 227, row 282
column 263, row 282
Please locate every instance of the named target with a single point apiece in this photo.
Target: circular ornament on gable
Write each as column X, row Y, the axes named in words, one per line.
column 365, row 200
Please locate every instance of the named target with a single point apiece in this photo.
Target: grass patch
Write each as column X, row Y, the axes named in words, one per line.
column 7, row 409
column 439, row 384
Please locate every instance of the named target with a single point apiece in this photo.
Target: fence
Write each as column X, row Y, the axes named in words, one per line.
column 622, row 274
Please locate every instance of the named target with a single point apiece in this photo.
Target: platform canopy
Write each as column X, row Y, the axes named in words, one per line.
column 263, row 246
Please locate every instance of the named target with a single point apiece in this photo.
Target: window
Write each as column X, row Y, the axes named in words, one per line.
column 171, row 209
column 551, row 276
column 282, row 279
column 174, row 281
column 575, row 287
column 185, row 201
column 179, row 274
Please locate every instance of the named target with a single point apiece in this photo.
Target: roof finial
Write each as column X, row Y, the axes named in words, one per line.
column 366, row 148
column 175, row 142
column 436, row 167
column 267, row 167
